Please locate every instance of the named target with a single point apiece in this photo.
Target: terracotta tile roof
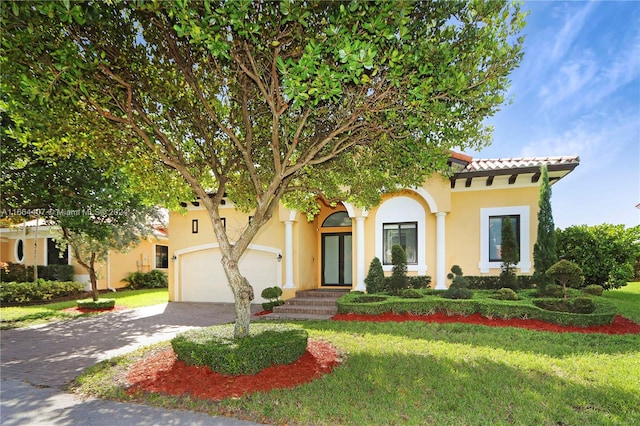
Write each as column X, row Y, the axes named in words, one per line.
column 496, row 164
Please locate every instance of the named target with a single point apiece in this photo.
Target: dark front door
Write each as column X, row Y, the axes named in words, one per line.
column 337, row 264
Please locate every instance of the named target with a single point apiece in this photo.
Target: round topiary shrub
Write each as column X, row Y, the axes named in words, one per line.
column 506, row 294
column 593, row 290
column 217, row 348
column 410, row 293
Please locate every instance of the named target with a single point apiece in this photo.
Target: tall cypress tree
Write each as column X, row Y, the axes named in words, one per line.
column 544, row 250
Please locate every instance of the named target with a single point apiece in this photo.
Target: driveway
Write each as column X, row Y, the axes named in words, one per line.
column 37, row 362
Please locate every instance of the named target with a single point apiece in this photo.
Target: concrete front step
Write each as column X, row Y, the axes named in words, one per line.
column 311, row 301
column 309, row 304
column 322, row 293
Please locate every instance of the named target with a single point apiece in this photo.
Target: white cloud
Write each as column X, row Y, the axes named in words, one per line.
column 572, row 27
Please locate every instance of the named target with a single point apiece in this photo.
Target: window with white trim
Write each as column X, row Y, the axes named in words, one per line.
column 491, row 220
column 496, row 224
column 404, row 234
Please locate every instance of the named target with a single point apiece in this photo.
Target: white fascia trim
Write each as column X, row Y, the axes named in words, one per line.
column 525, row 238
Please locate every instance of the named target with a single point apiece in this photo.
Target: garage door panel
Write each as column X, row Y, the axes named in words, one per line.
column 202, row 277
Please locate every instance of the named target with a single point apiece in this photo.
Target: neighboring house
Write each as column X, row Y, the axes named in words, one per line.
column 17, row 245
column 447, row 221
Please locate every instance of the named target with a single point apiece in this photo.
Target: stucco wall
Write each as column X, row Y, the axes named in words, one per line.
column 464, row 224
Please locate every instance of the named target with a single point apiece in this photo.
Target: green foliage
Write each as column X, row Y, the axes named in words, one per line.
column 217, row 348
column 578, row 305
column 375, row 277
column 544, row 250
column 347, row 100
column 273, row 294
column 506, row 294
column 493, row 282
column 510, row 256
column 17, row 272
column 411, row 293
column 151, row 279
column 484, row 303
column 593, row 290
column 458, row 288
column 96, row 304
column 12, row 292
column 568, row 274
column 602, row 251
column 399, row 279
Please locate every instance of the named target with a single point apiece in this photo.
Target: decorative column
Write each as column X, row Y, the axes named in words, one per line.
column 360, row 266
column 288, row 254
column 441, row 267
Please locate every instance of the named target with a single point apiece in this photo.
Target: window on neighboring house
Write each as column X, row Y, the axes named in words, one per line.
column 496, row 224
column 55, row 256
column 162, row 257
column 20, row 251
column 406, row 235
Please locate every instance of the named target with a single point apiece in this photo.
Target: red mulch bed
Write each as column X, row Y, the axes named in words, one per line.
column 76, row 310
column 620, row 325
column 164, row 373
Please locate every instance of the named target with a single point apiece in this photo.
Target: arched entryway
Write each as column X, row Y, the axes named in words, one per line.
column 336, row 250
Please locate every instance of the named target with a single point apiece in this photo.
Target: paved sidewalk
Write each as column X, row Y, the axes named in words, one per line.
column 37, row 362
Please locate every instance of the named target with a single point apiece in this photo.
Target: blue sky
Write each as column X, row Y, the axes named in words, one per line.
column 577, row 92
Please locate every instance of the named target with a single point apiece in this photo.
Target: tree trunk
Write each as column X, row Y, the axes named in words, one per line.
column 35, row 253
column 92, row 276
column 242, row 294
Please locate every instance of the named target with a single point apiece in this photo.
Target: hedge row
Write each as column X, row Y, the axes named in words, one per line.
column 493, row 283
column 39, row 291
column 17, row 272
column 604, row 312
column 216, row 347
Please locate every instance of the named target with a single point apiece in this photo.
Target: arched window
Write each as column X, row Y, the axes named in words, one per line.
column 338, row 219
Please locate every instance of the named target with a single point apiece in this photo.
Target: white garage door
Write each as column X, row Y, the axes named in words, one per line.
column 202, row 277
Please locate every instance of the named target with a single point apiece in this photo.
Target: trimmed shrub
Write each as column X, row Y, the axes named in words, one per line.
column 419, row 281
column 151, row 279
column 399, row 279
column 273, row 294
column 458, row 288
column 370, row 299
column 604, row 312
column 578, row 305
column 551, row 290
column 96, row 304
column 374, row 280
column 217, row 348
column 41, row 290
column 411, row 293
column 506, row 294
column 566, row 273
column 593, row 290
column 416, row 282
column 493, row 282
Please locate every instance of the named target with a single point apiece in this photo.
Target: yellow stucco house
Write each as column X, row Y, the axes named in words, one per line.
column 446, row 221
column 17, row 245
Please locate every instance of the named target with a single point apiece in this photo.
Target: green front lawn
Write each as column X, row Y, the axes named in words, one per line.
column 22, row 316
column 419, row 373
column 627, row 300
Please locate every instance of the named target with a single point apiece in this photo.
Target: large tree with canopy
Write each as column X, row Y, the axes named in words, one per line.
column 262, row 102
